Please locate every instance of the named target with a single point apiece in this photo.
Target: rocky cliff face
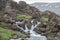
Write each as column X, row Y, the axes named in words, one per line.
column 13, row 8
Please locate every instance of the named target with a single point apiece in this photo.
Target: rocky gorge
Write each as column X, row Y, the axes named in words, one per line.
column 12, row 12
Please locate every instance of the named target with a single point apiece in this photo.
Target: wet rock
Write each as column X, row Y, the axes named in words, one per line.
column 28, row 23
column 14, row 27
column 51, row 36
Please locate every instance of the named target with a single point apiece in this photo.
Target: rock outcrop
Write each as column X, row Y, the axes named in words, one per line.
column 13, row 8
column 49, row 28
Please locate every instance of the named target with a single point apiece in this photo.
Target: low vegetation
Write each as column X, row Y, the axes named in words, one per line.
column 44, row 19
column 19, row 16
column 58, row 18
column 6, row 34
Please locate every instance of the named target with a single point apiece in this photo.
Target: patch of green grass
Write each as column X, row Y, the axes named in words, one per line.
column 3, row 24
column 44, row 19
column 23, row 16
column 58, row 18
column 6, row 34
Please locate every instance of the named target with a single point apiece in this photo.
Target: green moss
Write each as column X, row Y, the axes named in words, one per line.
column 44, row 19
column 6, row 34
column 23, row 16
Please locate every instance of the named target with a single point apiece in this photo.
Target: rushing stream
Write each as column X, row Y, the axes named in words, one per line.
column 33, row 34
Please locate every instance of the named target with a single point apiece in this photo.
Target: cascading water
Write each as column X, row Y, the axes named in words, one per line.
column 33, row 34
column 18, row 26
column 26, row 28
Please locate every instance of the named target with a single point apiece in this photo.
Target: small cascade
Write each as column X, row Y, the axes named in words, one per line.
column 26, row 28
column 33, row 34
column 32, row 28
column 19, row 26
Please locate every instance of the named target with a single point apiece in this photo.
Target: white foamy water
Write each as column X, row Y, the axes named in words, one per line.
column 33, row 34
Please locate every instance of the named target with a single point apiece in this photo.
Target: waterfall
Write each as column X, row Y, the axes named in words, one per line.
column 32, row 27
column 26, row 28
column 33, row 34
column 18, row 26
